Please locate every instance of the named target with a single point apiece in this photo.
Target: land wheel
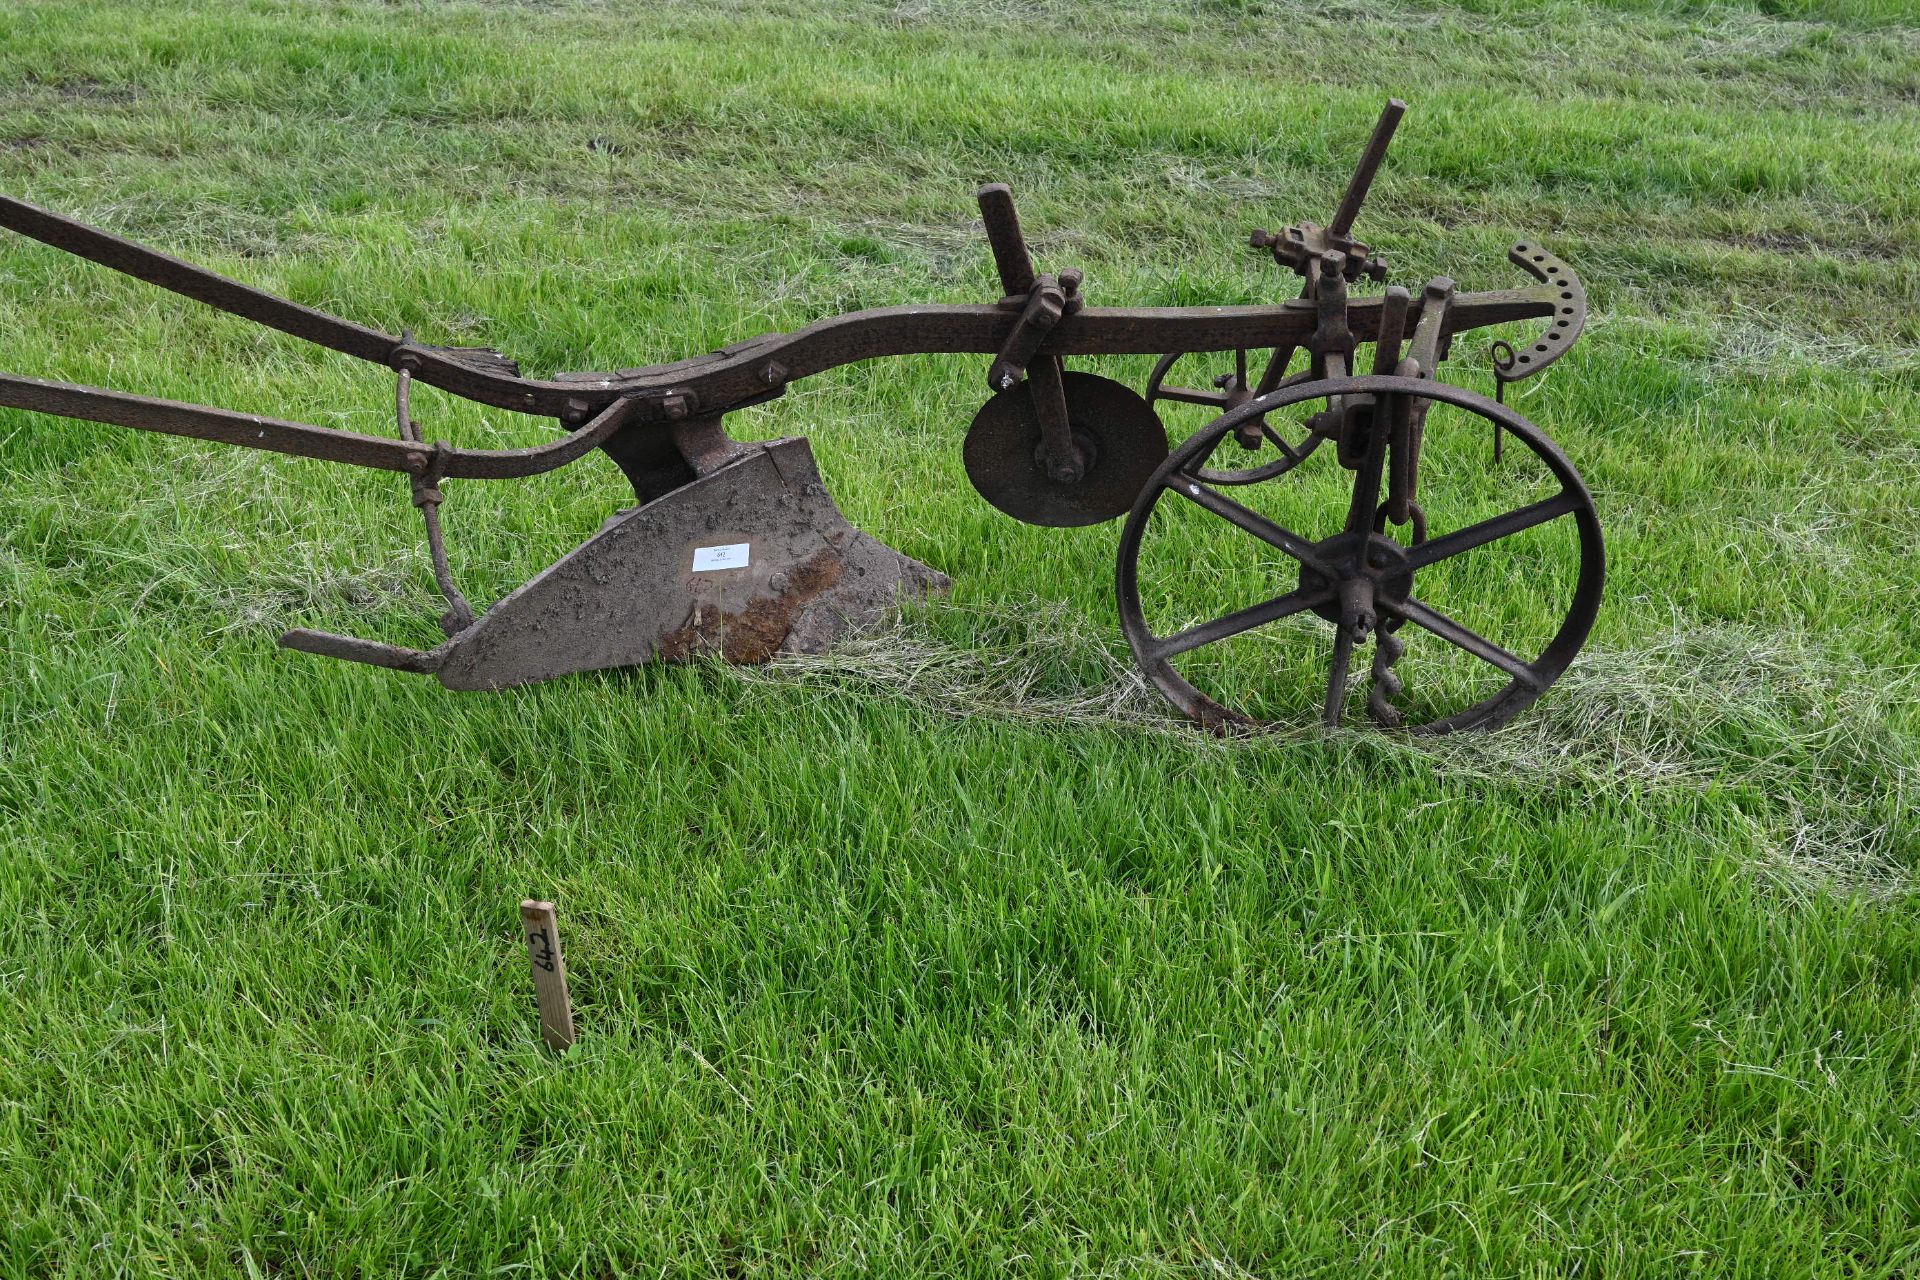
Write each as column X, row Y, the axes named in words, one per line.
column 1268, row 449
column 1359, row 579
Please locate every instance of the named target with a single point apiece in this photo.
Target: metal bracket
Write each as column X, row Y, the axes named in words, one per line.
column 1047, row 299
column 1046, row 304
column 1300, row 246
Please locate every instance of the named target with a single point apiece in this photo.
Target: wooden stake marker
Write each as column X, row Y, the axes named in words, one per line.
column 549, row 973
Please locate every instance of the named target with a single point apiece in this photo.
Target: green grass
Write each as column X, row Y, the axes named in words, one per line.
column 951, row 953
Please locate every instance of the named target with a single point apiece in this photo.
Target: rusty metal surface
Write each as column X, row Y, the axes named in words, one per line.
column 742, row 374
column 1569, row 317
column 1113, row 429
column 1275, row 448
column 1357, row 577
column 427, row 498
column 255, row 431
column 633, row 591
column 1051, row 446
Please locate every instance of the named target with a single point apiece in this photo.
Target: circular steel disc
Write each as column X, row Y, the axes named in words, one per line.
column 1127, row 442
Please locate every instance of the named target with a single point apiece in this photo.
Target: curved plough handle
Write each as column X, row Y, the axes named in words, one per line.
column 1560, row 288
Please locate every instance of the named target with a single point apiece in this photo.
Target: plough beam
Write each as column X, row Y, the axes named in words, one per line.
column 736, row 549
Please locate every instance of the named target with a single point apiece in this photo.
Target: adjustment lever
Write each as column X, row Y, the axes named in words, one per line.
column 1409, row 426
column 1010, row 256
column 1043, row 301
column 1299, row 247
column 1341, row 228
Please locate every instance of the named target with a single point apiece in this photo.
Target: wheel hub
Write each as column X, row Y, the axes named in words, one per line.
column 1372, row 558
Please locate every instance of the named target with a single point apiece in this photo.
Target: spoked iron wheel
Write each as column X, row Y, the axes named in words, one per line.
column 1266, row 448
column 1367, row 584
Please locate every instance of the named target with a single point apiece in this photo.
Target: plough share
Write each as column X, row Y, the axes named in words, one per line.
column 736, row 548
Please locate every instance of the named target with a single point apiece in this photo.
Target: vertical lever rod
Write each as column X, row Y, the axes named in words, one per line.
column 1393, row 328
column 1003, row 233
column 427, row 497
column 1370, row 161
column 1059, row 455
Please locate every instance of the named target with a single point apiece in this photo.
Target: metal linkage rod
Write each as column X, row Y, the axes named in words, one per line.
column 427, row 497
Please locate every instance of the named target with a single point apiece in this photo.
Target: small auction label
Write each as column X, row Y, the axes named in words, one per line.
column 731, row 556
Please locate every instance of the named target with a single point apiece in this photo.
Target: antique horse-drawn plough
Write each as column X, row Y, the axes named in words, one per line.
column 735, row 548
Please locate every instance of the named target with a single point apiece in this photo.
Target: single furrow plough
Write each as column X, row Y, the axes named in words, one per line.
column 736, row 548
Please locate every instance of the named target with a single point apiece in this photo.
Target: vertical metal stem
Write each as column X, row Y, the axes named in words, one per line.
column 1370, row 161
column 1366, row 478
column 1501, row 355
column 427, row 496
column 1393, row 327
column 1046, row 381
column 1010, row 254
column 1337, row 676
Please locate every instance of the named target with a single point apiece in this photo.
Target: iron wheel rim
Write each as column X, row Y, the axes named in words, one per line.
column 1151, row 651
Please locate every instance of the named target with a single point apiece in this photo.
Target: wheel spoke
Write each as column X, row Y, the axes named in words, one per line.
column 1274, row 436
column 1192, row 395
column 1463, row 638
column 1239, row 621
column 1251, row 521
column 1501, row 526
column 1276, row 369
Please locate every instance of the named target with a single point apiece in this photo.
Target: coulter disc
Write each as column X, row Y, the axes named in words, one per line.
column 1122, row 438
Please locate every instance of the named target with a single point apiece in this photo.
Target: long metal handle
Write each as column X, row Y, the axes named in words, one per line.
column 253, row 431
column 194, row 282
column 1010, row 254
column 1370, row 161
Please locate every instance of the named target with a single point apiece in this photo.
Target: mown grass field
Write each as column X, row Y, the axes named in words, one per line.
column 952, row 955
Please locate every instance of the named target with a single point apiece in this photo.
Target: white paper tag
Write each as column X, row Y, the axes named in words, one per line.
column 732, row 556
